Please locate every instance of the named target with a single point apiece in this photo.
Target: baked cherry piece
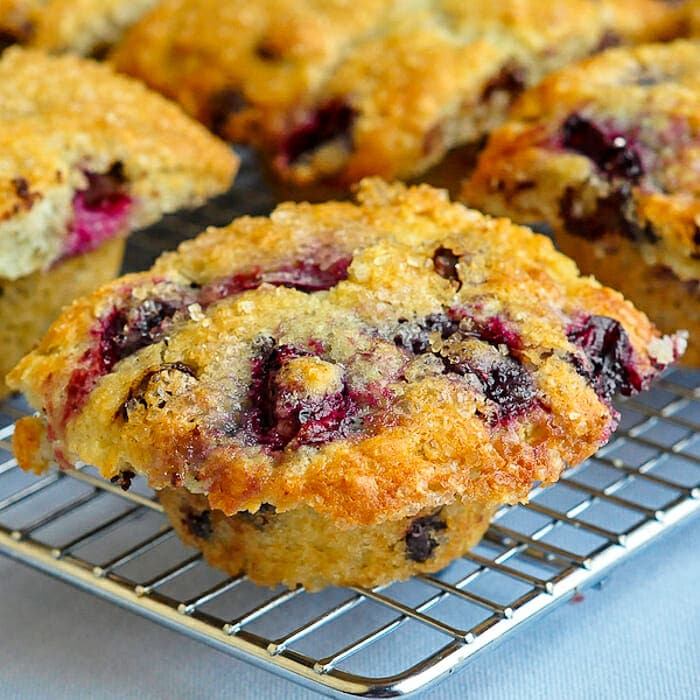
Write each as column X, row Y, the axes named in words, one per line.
column 330, row 122
column 100, row 211
column 613, row 153
column 285, row 408
column 609, row 360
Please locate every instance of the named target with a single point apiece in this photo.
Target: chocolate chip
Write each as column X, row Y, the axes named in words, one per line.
column 21, row 186
column 222, row 105
column 266, row 51
column 511, row 79
column 123, row 479
column 420, row 540
column 445, row 263
column 199, row 524
column 262, row 517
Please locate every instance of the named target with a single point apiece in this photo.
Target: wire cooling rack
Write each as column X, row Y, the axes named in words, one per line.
column 353, row 642
column 388, row 641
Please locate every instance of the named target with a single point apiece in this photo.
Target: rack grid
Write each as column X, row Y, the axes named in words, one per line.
column 351, row 642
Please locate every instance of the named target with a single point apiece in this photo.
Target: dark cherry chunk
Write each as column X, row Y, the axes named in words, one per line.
column 608, row 360
column 445, row 263
column 127, row 330
column 100, row 211
column 303, row 275
column 612, row 152
column 331, row 122
column 282, row 412
column 472, row 349
column 199, row 524
column 420, row 537
column 615, row 213
column 123, row 479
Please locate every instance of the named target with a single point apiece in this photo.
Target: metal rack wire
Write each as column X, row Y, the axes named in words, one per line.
column 349, row 642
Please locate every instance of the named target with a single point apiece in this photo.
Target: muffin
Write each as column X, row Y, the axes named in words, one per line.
column 83, row 26
column 332, row 90
column 87, row 156
column 608, row 153
column 340, row 393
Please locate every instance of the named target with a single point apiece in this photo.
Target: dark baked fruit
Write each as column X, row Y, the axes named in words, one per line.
column 388, row 371
column 607, row 152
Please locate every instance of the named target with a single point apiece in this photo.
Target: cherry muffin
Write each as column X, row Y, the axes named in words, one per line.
column 608, row 153
column 332, row 90
column 82, row 26
column 341, row 393
column 87, row 156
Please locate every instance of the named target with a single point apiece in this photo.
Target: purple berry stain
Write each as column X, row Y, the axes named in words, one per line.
column 502, row 377
column 284, row 411
column 608, row 359
column 420, row 537
column 100, row 212
column 613, row 153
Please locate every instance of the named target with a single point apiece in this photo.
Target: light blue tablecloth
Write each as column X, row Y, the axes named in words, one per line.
column 638, row 637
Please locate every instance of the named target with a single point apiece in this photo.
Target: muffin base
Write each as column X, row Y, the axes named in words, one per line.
column 28, row 305
column 303, row 548
column 617, row 262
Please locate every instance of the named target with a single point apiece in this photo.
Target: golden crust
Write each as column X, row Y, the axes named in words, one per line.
column 63, row 116
column 82, row 26
column 301, row 547
column 177, row 409
column 336, row 90
column 651, row 95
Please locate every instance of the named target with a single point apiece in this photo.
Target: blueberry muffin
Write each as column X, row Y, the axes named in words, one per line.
column 82, row 26
column 332, row 90
column 341, row 393
column 86, row 157
column 608, row 152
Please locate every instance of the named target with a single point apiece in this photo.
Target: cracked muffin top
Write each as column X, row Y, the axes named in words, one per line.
column 608, row 146
column 366, row 359
column 87, row 155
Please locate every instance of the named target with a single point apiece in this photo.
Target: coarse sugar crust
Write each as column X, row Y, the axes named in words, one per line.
column 334, row 90
column 64, row 117
column 607, row 151
column 368, row 360
column 80, row 26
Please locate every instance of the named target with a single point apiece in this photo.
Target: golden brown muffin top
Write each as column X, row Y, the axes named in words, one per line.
column 368, row 360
